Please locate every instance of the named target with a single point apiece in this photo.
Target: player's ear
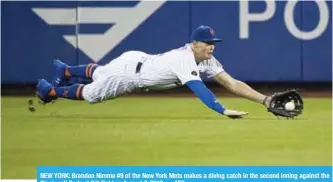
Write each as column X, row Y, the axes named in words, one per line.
column 195, row 44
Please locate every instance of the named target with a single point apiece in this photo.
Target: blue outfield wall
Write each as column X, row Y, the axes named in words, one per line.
column 262, row 41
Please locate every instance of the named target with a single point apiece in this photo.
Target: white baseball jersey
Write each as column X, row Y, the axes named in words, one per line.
column 162, row 71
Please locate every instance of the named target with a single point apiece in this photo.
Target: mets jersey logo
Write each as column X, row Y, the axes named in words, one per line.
column 97, row 45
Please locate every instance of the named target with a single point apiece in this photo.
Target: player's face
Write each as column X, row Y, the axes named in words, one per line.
column 204, row 50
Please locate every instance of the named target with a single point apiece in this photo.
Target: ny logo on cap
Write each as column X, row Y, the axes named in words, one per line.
column 212, row 33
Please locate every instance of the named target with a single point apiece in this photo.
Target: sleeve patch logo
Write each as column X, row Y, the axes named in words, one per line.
column 194, row 73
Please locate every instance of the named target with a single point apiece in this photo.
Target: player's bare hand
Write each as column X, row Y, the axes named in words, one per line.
column 234, row 114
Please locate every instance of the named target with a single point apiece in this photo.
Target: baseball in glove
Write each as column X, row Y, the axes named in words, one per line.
column 280, row 99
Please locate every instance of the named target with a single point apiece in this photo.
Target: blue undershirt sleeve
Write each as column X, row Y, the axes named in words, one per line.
column 206, row 96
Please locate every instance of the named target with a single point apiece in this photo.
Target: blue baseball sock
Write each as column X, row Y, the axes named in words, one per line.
column 82, row 71
column 73, row 92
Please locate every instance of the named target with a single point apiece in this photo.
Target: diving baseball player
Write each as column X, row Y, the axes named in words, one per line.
column 137, row 71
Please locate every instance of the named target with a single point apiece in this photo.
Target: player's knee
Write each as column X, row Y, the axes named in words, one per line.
column 93, row 100
column 90, row 95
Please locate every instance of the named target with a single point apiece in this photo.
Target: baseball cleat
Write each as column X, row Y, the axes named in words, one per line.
column 59, row 77
column 43, row 90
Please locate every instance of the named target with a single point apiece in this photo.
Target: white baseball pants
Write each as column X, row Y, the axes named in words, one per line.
column 115, row 78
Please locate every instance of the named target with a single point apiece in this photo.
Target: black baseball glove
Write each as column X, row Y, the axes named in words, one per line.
column 278, row 100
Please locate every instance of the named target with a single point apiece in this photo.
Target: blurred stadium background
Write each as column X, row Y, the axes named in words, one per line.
column 270, row 45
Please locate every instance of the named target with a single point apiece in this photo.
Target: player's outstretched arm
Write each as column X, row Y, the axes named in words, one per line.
column 241, row 89
column 209, row 99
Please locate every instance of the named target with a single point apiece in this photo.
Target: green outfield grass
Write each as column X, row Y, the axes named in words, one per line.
column 159, row 131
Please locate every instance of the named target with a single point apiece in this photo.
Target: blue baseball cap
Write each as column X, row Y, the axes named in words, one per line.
column 204, row 34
